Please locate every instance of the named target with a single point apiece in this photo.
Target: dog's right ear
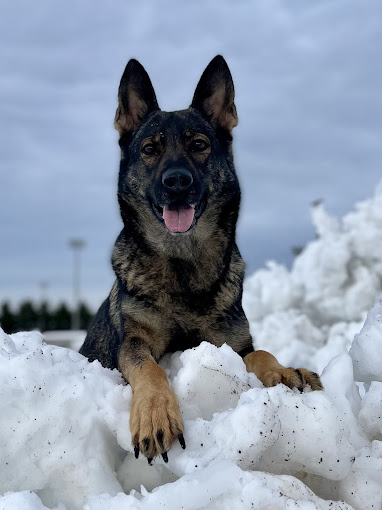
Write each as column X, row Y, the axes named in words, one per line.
column 136, row 98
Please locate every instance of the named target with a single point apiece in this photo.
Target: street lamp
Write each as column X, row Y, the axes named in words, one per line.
column 76, row 245
column 44, row 284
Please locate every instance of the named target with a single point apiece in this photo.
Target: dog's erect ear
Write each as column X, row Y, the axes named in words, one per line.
column 214, row 96
column 136, row 98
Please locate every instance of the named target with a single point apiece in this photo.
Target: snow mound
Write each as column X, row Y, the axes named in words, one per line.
column 323, row 300
column 366, row 349
column 65, row 442
column 65, row 435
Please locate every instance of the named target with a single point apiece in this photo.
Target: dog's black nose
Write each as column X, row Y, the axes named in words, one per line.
column 177, row 179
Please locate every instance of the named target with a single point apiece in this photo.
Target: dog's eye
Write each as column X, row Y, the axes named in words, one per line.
column 198, row 145
column 148, row 149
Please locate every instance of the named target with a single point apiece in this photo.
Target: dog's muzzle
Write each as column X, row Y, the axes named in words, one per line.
column 180, row 207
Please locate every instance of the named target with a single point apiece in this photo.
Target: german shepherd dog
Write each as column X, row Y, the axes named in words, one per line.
column 179, row 273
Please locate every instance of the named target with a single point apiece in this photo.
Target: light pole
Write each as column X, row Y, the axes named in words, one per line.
column 43, row 286
column 76, row 245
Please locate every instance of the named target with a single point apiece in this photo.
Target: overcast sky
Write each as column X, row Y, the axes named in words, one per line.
column 308, row 79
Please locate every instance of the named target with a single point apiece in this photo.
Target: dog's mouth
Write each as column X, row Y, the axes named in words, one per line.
column 179, row 217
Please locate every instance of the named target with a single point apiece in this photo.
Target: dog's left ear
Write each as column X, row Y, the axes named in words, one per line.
column 214, row 96
column 136, row 98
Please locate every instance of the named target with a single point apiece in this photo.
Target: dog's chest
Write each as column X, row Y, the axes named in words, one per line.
column 182, row 339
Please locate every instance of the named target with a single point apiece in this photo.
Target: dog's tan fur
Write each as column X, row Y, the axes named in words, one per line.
column 155, row 418
column 270, row 372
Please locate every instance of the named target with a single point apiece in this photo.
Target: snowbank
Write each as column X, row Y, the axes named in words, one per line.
column 323, row 301
column 65, row 441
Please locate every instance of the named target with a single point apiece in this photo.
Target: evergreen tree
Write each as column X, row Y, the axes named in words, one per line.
column 44, row 317
column 8, row 320
column 85, row 316
column 30, row 316
column 61, row 317
column 27, row 317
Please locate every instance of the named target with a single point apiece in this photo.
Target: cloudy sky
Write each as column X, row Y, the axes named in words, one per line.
column 308, row 78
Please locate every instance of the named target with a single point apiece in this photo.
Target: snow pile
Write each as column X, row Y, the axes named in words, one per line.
column 323, row 300
column 65, row 442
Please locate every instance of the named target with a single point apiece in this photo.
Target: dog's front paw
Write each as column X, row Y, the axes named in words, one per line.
column 155, row 421
column 293, row 378
column 270, row 372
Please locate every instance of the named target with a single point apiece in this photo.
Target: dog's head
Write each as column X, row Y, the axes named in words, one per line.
column 177, row 177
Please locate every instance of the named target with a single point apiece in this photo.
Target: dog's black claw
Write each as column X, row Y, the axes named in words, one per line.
column 160, row 438
column 136, row 451
column 182, row 441
column 298, row 372
column 149, row 460
column 146, row 444
column 164, row 456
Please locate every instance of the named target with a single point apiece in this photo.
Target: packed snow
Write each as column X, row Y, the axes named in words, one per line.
column 65, row 442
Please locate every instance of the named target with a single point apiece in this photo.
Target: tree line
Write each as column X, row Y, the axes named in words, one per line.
column 30, row 316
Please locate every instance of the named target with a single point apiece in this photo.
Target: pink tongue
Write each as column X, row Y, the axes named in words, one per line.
column 178, row 219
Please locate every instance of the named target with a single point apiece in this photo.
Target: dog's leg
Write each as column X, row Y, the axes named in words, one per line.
column 155, row 418
column 270, row 372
